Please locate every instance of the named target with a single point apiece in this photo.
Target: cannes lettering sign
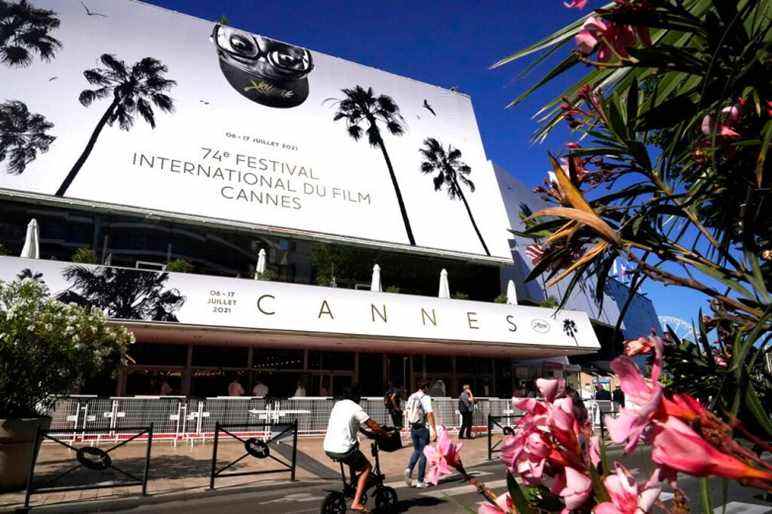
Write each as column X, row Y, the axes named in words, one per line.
column 144, row 101
column 224, row 302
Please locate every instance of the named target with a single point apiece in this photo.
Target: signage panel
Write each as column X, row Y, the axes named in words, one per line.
column 241, row 303
column 144, row 107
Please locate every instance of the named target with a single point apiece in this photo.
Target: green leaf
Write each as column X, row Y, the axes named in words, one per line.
column 601, row 495
column 761, row 159
column 523, row 507
column 756, row 408
column 564, row 65
column 707, row 507
column 724, row 279
column 631, row 112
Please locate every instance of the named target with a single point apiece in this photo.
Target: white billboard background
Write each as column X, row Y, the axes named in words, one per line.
column 209, row 113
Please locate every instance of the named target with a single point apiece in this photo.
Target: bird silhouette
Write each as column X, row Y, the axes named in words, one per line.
column 89, row 12
column 429, row 107
column 204, row 102
column 53, row 78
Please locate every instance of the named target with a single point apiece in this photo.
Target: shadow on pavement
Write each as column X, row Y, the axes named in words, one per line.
column 423, row 501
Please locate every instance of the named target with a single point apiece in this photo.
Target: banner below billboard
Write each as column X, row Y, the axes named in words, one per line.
column 129, row 104
column 209, row 301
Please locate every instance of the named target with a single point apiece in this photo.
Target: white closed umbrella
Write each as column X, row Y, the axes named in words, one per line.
column 444, row 286
column 260, row 269
column 31, row 249
column 375, row 282
column 511, row 293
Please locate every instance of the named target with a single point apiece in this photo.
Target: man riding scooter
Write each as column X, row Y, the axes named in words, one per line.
column 341, row 443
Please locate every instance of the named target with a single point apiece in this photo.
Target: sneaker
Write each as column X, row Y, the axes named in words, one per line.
column 421, row 485
column 408, row 479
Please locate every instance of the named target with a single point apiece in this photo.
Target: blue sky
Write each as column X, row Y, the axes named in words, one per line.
column 449, row 43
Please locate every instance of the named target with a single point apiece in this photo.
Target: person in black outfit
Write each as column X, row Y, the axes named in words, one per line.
column 393, row 403
column 618, row 396
column 602, row 393
column 466, row 408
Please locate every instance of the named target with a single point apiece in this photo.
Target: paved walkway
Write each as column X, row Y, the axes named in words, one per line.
column 184, row 470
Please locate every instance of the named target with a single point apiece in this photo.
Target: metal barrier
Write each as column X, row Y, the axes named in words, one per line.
column 90, row 458
column 257, row 448
column 194, row 419
column 495, row 426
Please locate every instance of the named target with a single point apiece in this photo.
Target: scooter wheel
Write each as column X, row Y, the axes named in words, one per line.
column 334, row 503
column 386, row 500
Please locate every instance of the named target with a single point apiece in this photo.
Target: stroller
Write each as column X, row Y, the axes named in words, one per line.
column 385, row 497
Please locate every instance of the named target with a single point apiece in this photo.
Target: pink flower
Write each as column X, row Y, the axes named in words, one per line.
column 550, row 388
column 442, row 458
column 627, row 496
column 642, row 345
column 725, row 127
column 631, row 423
column 576, row 4
column 577, row 489
column 504, row 505
column 679, row 447
column 606, row 37
column 595, row 450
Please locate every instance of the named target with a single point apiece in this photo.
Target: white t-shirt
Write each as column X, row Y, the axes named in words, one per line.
column 260, row 390
column 426, row 403
column 345, row 418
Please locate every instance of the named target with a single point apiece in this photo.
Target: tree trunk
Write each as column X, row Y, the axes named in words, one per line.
column 398, row 192
column 471, row 218
column 86, row 151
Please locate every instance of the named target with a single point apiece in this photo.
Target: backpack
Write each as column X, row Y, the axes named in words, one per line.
column 414, row 409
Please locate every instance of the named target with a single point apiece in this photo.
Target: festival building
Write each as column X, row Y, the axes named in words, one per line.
column 253, row 210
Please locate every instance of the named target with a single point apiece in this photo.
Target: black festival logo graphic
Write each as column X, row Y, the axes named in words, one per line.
column 569, row 327
column 540, row 325
column 266, row 71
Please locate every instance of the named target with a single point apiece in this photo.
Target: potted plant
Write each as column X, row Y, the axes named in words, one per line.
column 47, row 347
column 179, row 266
column 84, row 255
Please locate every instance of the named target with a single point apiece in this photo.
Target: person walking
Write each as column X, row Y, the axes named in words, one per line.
column 466, row 409
column 393, row 404
column 260, row 389
column 601, row 393
column 418, row 410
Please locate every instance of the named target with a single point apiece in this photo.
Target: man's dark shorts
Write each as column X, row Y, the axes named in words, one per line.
column 354, row 458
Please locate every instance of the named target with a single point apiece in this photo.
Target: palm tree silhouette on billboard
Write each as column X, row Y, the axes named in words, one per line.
column 452, row 172
column 123, row 293
column 133, row 90
column 24, row 31
column 362, row 107
column 23, row 135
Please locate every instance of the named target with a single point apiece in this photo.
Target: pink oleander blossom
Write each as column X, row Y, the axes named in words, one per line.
column 550, row 388
column 504, row 505
column 576, row 4
column 680, row 448
column 605, row 37
column 627, row 496
column 576, row 490
column 443, row 458
column 726, row 125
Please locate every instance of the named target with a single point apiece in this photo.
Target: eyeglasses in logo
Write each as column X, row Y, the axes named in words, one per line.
column 264, row 70
column 540, row 325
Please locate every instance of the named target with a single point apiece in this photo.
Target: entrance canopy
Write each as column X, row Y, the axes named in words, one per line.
column 167, row 307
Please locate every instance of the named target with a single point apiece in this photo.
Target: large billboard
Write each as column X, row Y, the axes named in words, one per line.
column 125, row 103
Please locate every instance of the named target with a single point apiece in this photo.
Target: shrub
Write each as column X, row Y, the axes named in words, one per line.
column 502, row 298
column 179, row 266
column 392, row 289
column 47, row 347
column 84, row 256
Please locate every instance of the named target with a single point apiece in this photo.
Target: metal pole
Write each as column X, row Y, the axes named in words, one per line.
column 294, row 450
column 214, row 453
column 147, row 460
column 31, row 472
column 490, row 432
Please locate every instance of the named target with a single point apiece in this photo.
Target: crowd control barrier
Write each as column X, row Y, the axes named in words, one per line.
column 258, row 448
column 101, row 465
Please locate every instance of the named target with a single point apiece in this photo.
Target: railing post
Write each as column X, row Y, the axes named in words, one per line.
column 214, row 453
column 294, row 450
column 490, row 434
column 35, row 447
column 146, row 474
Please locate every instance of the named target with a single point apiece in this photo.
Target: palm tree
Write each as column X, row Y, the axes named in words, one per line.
column 123, row 293
column 451, row 172
column 22, row 135
column 361, row 107
column 134, row 90
column 28, row 273
column 24, row 31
